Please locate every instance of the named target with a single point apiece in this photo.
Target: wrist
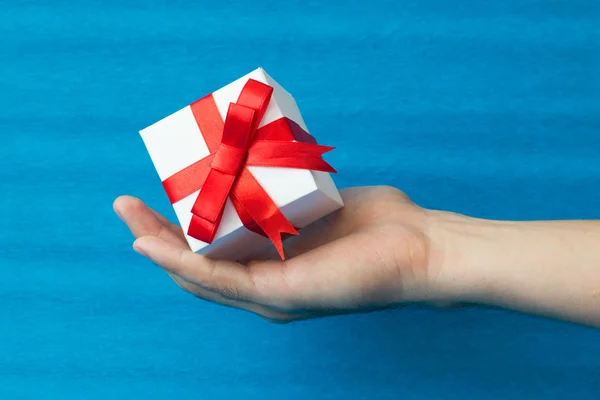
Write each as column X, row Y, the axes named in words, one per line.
column 464, row 252
column 543, row 267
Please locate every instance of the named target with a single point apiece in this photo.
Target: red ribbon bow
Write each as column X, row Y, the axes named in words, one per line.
column 234, row 145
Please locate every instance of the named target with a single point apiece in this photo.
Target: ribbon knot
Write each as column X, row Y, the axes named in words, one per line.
column 228, row 159
column 235, row 144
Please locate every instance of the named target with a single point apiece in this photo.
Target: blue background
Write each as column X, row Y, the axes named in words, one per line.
column 486, row 108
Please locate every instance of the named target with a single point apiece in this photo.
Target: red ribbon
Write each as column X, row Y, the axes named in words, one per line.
column 234, row 145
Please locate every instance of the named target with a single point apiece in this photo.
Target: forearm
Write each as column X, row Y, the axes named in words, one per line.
column 549, row 268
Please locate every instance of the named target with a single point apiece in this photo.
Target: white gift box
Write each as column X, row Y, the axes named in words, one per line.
column 303, row 196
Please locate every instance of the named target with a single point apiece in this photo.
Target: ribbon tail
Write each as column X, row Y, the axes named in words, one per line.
column 271, row 153
column 259, row 210
column 249, row 223
column 274, row 228
column 246, row 219
column 313, row 164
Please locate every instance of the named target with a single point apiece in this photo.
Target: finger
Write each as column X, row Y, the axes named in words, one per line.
column 257, row 309
column 212, row 297
column 174, row 228
column 220, row 298
column 229, row 279
column 142, row 221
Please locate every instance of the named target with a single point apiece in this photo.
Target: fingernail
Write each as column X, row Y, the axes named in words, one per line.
column 139, row 250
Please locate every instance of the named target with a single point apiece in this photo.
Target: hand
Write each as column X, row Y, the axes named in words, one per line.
column 374, row 253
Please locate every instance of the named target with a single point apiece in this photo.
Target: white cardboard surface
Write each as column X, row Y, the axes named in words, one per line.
column 303, row 196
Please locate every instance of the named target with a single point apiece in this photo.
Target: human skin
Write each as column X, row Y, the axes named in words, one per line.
column 381, row 251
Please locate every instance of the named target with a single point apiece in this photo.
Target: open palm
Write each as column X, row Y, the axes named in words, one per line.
column 373, row 253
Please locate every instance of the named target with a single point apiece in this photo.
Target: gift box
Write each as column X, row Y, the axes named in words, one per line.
column 241, row 169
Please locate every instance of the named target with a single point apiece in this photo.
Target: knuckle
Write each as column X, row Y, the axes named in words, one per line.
column 230, row 292
column 136, row 204
column 178, row 266
column 163, row 233
column 211, row 267
column 393, row 192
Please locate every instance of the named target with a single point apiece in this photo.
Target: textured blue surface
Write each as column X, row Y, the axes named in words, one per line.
column 487, row 108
